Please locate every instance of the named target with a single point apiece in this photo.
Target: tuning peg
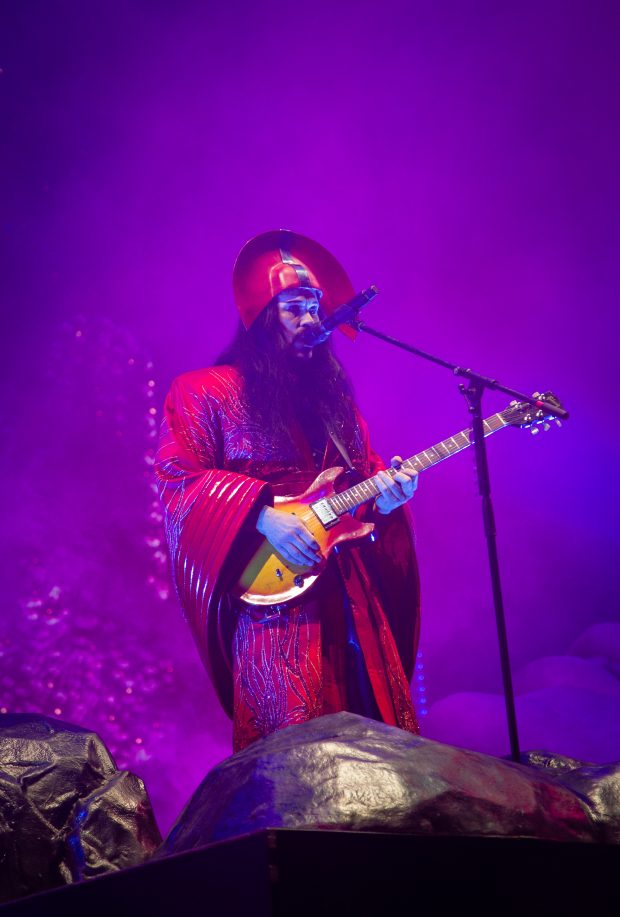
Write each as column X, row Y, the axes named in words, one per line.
column 558, row 422
column 546, row 427
column 534, row 431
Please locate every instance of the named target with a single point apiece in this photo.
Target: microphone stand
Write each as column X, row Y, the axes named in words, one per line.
column 473, row 392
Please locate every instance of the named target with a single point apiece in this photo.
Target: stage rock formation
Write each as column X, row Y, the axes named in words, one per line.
column 347, row 772
column 66, row 812
column 597, row 784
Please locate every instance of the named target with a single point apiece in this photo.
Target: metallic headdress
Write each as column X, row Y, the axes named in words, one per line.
column 281, row 260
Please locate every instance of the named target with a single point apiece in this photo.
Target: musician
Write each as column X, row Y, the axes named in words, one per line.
column 263, row 422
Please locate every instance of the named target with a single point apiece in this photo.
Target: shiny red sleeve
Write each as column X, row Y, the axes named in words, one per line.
column 206, row 508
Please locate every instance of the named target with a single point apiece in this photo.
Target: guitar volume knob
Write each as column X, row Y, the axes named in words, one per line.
column 299, row 581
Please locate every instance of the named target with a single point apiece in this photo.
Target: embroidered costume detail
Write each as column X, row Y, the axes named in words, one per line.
column 278, row 672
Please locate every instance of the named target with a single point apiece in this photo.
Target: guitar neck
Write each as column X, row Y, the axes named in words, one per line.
column 359, row 494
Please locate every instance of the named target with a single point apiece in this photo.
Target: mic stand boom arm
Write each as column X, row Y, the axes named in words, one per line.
column 473, row 392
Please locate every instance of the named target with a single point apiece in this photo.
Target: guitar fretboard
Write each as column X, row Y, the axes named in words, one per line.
column 360, row 493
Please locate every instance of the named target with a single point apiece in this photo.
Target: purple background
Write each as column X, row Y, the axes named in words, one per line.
column 463, row 157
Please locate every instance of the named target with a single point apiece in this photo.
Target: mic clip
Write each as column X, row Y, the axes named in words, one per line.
column 346, row 314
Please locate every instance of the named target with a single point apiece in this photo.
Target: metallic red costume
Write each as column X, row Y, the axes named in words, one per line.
column 350, row 644
column 216, row 470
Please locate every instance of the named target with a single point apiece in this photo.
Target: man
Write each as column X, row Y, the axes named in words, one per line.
column 263, row 423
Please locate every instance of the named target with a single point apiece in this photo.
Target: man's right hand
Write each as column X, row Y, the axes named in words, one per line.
column 288, row 535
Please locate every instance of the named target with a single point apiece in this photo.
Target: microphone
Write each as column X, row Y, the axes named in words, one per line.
column 344, row 314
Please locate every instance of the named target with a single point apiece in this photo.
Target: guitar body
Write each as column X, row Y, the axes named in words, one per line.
column 270, row 580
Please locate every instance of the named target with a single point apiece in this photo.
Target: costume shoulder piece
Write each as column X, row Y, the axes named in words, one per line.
column 218, row 382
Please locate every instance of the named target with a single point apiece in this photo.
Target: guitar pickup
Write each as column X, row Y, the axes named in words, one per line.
column 324, row 513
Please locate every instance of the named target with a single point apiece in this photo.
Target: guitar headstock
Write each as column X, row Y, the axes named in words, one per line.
column 522, row 414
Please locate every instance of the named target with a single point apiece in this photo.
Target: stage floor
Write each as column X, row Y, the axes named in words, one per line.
column 324, row 872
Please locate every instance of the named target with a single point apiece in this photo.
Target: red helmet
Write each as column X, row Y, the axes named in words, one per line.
column 280, row 260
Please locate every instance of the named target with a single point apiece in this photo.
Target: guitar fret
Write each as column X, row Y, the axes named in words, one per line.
column 347, row 502
column 368, row 488
column 336, row 503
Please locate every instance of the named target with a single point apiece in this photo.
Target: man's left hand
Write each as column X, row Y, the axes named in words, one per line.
column 397, row 489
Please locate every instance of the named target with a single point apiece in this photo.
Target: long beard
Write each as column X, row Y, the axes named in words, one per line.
column 297, row 382
column 311, row 392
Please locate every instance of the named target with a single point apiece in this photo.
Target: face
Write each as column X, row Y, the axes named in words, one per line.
column 298, row 309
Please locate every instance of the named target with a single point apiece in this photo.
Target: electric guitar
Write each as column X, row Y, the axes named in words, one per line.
column 270, row 580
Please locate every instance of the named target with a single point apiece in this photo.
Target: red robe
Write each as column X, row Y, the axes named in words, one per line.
column 216, row 470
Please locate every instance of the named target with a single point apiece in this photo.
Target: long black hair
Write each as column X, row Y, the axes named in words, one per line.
column 280, row 387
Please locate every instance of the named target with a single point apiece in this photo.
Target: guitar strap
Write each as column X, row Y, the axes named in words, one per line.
column 342, row 449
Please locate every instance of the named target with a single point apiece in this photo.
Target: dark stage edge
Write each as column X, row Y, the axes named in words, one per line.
column 303, row 872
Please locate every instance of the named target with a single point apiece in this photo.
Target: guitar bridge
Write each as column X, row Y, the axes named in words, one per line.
column 324, row 513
